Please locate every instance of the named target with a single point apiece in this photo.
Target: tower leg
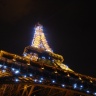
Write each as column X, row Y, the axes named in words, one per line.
column 31, row 90
column 25, row 88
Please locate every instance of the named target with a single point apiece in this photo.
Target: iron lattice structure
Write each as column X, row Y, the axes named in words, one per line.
column 41, row 72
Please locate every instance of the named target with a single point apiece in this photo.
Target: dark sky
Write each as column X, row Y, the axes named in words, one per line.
column 68, row 27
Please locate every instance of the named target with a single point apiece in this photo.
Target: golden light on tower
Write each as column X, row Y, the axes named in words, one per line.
column 39, row 39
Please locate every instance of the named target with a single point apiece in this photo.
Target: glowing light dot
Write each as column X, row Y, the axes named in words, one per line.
column 13, row 69
column 5, row 67
column 81, row 86
column 63, row 85
column 16, row 80
column 3, row 71
column 94, row 93
column 88, row 91
column 30, row 75
column 75, row 86
column 42, row 79
column 25, row 76
column 17, row 71
column 53, row 81
column 0, row 65
column 35, row 80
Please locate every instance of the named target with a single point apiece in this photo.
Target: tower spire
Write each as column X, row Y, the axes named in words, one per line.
column 39, row 39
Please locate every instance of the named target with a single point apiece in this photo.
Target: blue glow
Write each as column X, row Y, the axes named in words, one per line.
column 3, row 71
column 81, row 86
column 43, row 57
column 13, row 69
column 35, row 80
column 63, row 85
column 17, row 71
column 41, row 78
column 30, row 75
column 40, row 81
column 49, row 57
column 25, row 76
column 5, row 67
column 53, row 81
column 94, row 93
column 25, row 54
column 75, row 86
column 16, row 80
column 0, row 65
column 88, row 91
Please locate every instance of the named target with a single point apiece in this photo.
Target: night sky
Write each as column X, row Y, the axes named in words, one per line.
column 68, row 27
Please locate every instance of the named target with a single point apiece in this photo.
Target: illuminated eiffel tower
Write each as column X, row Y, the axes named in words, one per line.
column 41, row 72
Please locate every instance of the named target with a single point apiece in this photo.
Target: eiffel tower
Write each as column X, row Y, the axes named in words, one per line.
column 41, row 72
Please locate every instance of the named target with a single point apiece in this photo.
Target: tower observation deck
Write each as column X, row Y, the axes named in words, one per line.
column 41, row 72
